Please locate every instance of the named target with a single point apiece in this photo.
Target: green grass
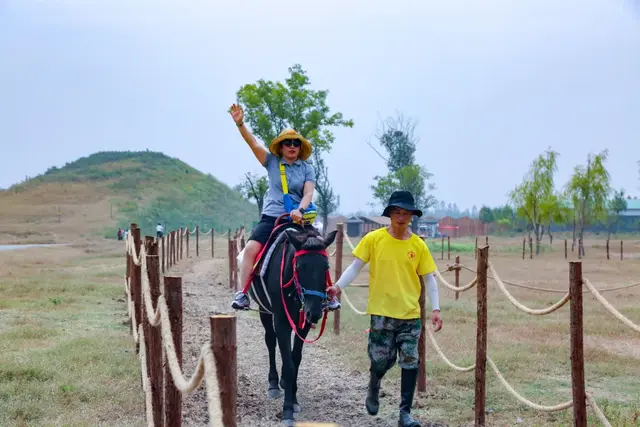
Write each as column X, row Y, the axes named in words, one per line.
column 66, row 355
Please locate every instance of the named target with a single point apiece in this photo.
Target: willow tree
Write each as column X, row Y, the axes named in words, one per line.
column 589, row 189
column 535, row 198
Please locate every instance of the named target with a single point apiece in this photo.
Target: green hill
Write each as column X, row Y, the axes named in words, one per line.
column 96, row 194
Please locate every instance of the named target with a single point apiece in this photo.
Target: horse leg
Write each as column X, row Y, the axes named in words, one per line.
column 270, row 340
column 283, row 331
column 296, row 356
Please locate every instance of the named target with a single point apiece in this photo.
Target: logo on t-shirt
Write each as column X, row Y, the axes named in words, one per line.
column 412, row 255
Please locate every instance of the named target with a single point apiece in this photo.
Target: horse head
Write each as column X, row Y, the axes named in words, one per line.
column 311, row 269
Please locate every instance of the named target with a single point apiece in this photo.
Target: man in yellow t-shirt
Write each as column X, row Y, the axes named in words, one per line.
column 397, row 258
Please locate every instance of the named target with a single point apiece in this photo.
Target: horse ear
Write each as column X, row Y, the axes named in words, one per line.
column 296, row 238
column 330, row 238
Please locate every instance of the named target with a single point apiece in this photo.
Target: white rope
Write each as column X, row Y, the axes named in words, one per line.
column 522, row 307
column 609, row 307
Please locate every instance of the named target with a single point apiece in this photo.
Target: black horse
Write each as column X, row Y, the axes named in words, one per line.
column 291, row 299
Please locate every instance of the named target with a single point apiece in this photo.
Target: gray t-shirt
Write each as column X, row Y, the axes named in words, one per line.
column 297, row 174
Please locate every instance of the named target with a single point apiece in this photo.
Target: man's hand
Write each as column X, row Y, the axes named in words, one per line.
column 333, row 290
column 436, row 320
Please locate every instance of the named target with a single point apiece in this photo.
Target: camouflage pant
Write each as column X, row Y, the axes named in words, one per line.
column 391, row 338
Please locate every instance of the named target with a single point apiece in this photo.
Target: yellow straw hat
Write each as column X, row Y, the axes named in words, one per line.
column 276, row 145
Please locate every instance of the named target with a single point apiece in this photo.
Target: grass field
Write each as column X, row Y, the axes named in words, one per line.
column 66, row 356
column 532, row 352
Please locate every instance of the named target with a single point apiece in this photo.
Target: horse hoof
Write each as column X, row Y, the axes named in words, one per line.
column 288, row 423
column 275, row 393
column 296, row 408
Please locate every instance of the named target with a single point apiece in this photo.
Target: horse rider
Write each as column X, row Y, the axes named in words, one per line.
column 159, row 231
column 291, row 185
column 398, row 258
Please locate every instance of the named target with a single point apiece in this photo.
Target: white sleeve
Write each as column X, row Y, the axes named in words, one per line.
column 350, row 273
column 432, row 290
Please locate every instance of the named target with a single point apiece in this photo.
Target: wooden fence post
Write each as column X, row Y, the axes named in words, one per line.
column 137, row 279
column 524, row 243
column 164, row 251
column 530, row 247
column 448, row 248
column 608, row 249
column 457, row 275
column 225, row 349
column 481, row 336
column 442, row 245
column 234, row 248
column 197, row 240
column 577, row 349
column 230, row 253
column 213, row 235
column 486, row 240
column 154, row 335
column 338, row 272
column 565, row 248
column 422, row 344
column 181, row 241
column 172, row 396
column 621, row 251
column 475, row 252
column 187, row 243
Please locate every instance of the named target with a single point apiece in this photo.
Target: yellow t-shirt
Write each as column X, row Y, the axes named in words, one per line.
column 394, row 267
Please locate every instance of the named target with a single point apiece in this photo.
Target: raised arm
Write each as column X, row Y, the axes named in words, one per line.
column 258, row 149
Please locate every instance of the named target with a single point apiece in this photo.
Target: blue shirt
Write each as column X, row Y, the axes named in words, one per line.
column 297, row 174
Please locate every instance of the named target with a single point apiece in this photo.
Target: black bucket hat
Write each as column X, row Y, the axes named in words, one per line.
column 403, row 200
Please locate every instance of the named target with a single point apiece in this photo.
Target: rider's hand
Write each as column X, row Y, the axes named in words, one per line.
column 436, row 320
column 237, row 114
column 333, row 290
column 296, row 215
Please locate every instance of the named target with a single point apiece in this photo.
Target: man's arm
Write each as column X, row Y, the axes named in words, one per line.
column 432, row 290
column 349, row 274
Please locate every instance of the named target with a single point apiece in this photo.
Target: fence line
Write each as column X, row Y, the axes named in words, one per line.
column 482, row 359
column 140, row 303
column 142, row 278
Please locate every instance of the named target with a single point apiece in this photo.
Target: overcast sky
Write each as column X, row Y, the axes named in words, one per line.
column 493, row 83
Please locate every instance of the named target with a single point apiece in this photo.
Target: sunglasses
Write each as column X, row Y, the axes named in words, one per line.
column 291, row 143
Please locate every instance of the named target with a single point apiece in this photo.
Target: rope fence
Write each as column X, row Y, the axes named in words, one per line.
column 580, row 397
column 158, row 335
column 156, row 325
column 579, row 243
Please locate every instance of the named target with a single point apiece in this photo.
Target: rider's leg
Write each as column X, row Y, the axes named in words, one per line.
column 257, row 240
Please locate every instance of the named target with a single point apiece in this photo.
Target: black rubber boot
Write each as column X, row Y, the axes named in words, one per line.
column 373, row 394
column 407, row 388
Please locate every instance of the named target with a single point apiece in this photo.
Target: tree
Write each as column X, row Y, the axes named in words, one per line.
column 534, row 197
column 474, row 211
column 616, row 205
column 254, row 187
column 325, row 198
column 271, row 107
column 485, row 216
column 398, row 138
column 589, row 189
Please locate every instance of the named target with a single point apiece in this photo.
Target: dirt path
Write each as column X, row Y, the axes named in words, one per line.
column 334, row 395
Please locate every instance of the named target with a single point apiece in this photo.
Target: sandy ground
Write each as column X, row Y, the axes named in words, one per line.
column 333, row 393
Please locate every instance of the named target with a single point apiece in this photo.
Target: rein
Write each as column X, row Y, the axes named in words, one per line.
column 302, row 292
